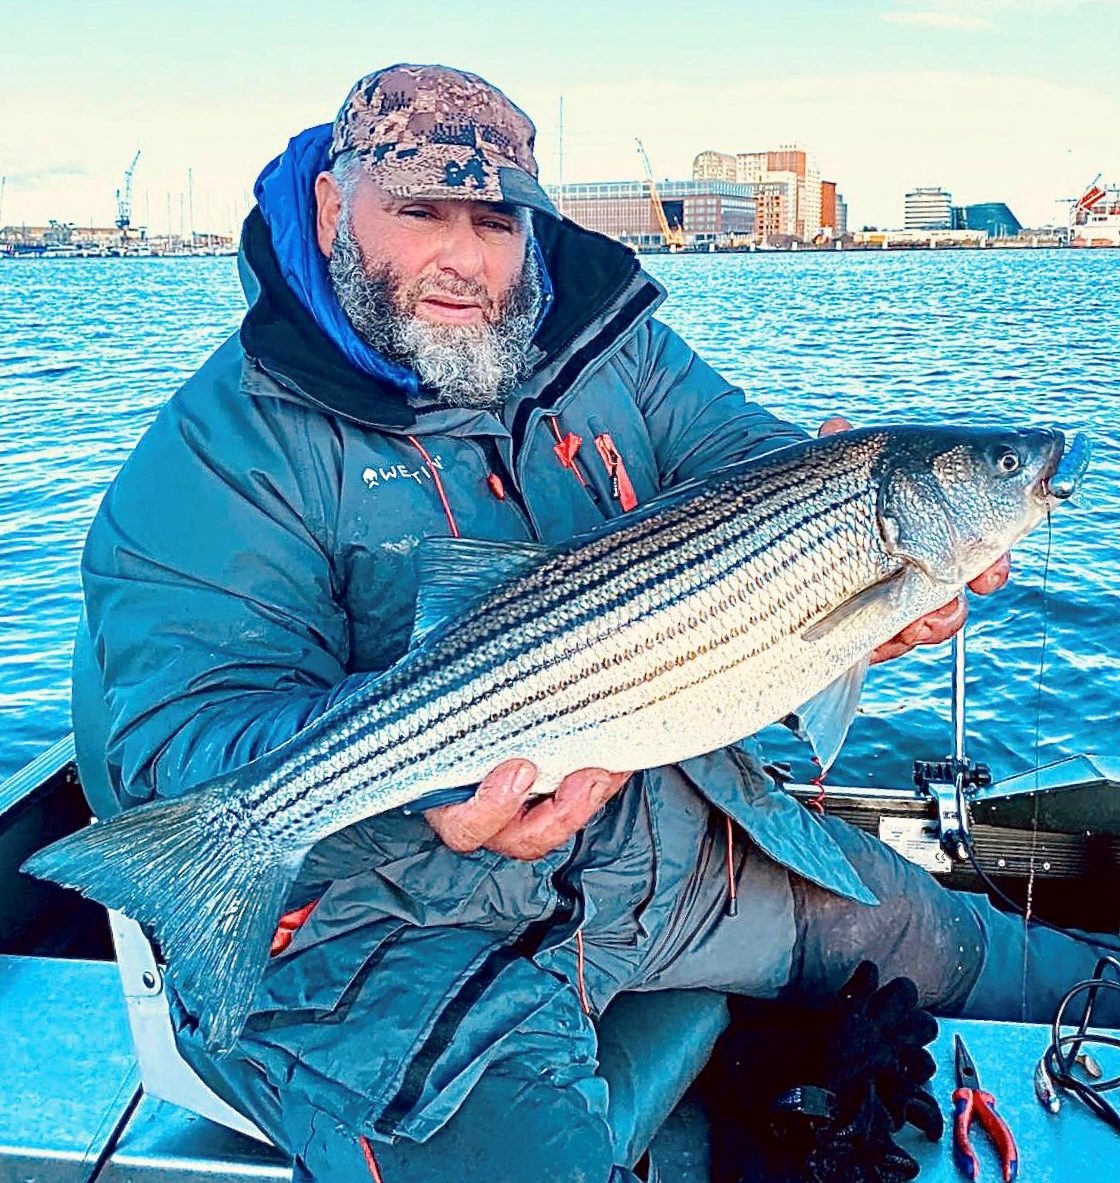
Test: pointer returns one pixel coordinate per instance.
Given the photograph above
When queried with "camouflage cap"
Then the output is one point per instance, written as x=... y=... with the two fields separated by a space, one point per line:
x=441 y=134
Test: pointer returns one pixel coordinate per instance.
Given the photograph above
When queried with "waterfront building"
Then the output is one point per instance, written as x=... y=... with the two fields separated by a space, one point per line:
x=65 y=239
x=797 y=170
x=57 y=235
x=790 y=158
x=777 y=208
x=714 y=166
x=707 y=210
x=928 y=209
x=790 y=205
x=993 y=217
x=841 y=217
x=917 y=239
x=828 y=209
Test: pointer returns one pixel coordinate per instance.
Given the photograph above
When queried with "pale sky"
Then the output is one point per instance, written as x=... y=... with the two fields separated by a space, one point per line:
x=996 y=100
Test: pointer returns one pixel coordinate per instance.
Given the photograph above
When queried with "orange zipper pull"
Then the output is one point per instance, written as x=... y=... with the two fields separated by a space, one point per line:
x=621 y=489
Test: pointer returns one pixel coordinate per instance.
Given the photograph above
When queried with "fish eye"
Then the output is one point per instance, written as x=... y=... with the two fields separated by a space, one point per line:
x=1009 y=462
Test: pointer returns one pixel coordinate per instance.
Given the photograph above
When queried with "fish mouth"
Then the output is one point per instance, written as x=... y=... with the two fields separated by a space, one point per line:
x=1066 y=467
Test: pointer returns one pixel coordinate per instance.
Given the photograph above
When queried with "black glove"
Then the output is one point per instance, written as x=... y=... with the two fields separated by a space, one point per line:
x=805 y=1147
x=879 y=1033
x=796 y=1085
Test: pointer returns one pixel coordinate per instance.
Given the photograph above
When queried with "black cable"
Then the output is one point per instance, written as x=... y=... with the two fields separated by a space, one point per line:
x=1094 y=942
x=1060 y=1057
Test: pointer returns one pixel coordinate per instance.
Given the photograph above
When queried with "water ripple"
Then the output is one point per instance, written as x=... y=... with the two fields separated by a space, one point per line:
x=90 y=349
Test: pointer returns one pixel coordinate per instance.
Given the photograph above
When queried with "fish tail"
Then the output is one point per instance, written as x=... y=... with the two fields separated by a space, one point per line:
x=211 y=900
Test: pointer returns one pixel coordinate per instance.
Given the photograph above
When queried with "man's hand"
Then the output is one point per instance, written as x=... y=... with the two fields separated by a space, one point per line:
x=940 y=625
x=502 y=816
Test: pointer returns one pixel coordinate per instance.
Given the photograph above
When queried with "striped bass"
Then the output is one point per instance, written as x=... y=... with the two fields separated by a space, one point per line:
x=755 y=594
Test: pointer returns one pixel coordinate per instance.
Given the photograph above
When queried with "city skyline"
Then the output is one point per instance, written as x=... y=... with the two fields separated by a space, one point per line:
x=996 y=100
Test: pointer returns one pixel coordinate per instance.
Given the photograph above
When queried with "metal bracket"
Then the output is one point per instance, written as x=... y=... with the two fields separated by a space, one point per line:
x=163 y=1071
x=949 y=782
x=944 y=782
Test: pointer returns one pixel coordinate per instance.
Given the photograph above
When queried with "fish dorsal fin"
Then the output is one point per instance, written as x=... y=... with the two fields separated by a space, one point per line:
x=879 y=597
x=455 y=572
x=824 y=720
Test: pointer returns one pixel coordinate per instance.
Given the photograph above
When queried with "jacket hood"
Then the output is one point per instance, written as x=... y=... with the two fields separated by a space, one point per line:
x=285 y=193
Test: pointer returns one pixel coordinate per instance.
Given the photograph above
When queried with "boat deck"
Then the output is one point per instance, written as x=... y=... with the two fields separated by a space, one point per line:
x=74 y=1110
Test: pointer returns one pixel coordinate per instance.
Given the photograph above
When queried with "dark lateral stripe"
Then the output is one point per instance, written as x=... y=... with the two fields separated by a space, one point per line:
x=540 y=603
x=648 y=676
x=613 y=552
x=440 y=1036
x=440 y=740
x=600 y=567
x=664 y=577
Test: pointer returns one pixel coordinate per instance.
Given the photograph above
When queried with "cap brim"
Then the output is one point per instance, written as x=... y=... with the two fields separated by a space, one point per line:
x=520 y=188
x=514 y=187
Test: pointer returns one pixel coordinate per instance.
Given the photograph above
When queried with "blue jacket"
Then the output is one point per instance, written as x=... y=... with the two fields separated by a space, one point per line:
x=256 y=556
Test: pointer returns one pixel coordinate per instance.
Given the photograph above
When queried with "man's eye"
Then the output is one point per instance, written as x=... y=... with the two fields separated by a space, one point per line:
x=413 y=212
x=494 y=224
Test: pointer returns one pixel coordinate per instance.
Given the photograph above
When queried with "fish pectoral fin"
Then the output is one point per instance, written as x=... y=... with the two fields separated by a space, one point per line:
x=455 y=572
x=879 y=597
x=824 y=720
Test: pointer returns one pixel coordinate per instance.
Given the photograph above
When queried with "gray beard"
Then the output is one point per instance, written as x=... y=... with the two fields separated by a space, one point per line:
x=475 y=366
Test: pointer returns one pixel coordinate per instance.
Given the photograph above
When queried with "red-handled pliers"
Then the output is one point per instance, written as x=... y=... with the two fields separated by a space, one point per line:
x=968 y=1099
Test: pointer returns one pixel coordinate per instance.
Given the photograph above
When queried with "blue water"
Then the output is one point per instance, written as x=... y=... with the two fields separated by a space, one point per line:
x=89 y=349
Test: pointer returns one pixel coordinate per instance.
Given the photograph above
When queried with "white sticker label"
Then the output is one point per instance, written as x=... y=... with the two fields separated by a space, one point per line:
x=915 y=838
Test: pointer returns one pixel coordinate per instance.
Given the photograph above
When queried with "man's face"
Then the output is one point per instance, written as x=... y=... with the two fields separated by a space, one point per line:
x=456 y=261
x=447 y=288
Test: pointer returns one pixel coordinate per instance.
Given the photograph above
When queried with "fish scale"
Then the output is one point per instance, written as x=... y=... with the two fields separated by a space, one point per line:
x=673 y=632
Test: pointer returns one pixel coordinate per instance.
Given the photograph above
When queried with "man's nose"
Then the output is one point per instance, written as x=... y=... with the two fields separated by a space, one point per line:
x=461 y=249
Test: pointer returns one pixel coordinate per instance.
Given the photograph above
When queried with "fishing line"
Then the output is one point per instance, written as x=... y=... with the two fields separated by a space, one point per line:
x=1037 y=756
x=1094 y=942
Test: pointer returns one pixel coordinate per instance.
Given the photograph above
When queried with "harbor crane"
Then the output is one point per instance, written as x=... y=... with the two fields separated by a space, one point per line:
x=673 y=235
x=124 y=203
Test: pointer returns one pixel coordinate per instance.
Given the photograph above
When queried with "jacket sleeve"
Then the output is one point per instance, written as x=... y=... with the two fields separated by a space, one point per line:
x=697 y=420
x=210 y=590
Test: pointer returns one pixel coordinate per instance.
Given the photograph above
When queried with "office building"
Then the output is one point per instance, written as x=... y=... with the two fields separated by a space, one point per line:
x=706 y=210
x=789 y=187
x=928 y=209
x=993 y=217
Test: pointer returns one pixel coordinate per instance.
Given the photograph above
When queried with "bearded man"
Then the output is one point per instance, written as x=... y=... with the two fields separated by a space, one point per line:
x=430 y=350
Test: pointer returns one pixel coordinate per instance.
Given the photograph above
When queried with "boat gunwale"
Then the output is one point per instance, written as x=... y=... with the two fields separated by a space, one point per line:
x=35 y=778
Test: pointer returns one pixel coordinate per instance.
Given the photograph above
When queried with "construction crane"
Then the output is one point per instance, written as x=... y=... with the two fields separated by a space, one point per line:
x=673 y=235
x=124 y=204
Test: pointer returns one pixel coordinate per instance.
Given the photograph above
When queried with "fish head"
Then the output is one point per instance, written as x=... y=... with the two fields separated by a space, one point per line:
x=953 y=500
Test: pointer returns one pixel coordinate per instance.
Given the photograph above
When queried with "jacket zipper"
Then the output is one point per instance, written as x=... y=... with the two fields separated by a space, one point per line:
x=510 y=493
